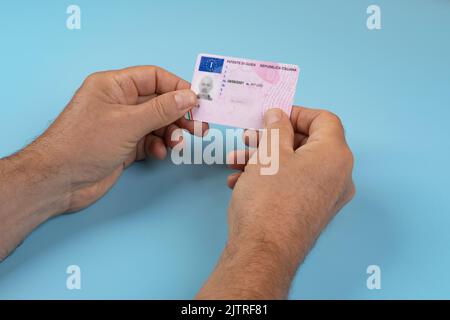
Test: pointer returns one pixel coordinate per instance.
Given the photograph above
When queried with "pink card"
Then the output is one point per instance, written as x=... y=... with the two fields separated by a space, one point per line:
x=237 y=92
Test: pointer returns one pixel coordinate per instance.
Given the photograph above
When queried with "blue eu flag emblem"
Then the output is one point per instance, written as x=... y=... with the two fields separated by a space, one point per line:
x=210 y=64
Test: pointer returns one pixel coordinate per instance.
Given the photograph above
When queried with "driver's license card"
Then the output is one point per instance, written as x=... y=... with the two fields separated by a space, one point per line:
x=237 y=92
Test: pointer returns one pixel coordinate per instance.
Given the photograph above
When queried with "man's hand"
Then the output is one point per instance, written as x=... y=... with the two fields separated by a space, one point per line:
x=275 y=219
x=114 y=119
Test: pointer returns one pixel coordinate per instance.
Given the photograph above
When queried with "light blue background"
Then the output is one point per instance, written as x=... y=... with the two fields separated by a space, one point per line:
x=160 y=230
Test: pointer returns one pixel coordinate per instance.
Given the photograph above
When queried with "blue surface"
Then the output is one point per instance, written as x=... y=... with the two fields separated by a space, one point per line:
x=160 y=230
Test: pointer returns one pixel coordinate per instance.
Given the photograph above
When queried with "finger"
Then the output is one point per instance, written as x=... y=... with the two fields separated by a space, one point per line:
x=275 y=120
x=142 y=99
x=140 y=153
x=134 y=82
x=251 y=138
x=299 y=140
x=316 y=123
x=162 y=110
x=171 y=139
x=160 y=132
x=232 y=179
x=148 y=147
x=238 y=159
x=192 y=126
x=147 y=80
x=155 y=147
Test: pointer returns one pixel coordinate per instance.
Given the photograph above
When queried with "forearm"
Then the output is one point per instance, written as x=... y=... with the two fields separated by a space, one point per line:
x=252 y=270
x=31 y=191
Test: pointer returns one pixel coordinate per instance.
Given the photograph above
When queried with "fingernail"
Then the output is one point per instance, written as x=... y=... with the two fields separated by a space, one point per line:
x=272 y=116
x=184 y=100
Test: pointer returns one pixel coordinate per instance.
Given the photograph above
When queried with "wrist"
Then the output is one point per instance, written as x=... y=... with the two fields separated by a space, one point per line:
x=45 y=178
x=32 y=190
x=285 y=244
x=251 y=269
x=284 y=255
x=36 y=183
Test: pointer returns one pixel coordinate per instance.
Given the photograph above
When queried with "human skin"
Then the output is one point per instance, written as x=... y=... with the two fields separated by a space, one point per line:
x=114 y=119
x=275 y=219
x=118 y=117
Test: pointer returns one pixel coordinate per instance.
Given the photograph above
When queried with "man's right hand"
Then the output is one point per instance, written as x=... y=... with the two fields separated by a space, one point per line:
x=275 y=219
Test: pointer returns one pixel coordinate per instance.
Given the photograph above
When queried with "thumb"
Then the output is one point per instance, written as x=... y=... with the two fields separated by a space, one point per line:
x=276 y=119
x=164 y=109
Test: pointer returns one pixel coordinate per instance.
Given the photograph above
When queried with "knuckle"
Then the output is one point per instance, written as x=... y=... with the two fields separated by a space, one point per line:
x=94 y=78
x=342 y=159
x=347 y=156
x=155 y=69
x=125 y=84
x=332 y=117
x=346 y=160
x=352 y=190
